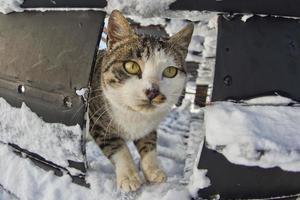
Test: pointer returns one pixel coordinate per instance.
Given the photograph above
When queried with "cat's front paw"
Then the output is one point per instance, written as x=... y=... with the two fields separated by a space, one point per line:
x=129 y=182
x=155 y=175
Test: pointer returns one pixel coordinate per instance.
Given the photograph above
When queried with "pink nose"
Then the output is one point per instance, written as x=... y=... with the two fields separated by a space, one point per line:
x=152 y=93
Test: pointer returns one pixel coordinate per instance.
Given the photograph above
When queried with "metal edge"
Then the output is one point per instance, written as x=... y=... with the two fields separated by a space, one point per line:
x=64 y=4
x=48 y=165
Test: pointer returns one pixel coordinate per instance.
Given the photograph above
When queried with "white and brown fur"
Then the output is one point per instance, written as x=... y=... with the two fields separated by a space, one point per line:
x=119 y=108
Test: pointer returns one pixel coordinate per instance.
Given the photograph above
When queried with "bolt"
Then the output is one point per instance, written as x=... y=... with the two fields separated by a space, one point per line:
x=227 y=80
x=21 y=89
x=68 y=102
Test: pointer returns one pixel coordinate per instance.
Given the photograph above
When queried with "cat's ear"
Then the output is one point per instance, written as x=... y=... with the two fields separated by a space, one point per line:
x=183 y=37
x=118 y=28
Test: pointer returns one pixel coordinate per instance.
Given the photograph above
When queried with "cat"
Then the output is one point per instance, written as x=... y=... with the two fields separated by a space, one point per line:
x=136 y=82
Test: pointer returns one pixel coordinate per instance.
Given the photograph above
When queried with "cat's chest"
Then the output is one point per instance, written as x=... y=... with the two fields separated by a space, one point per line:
x=134 y=125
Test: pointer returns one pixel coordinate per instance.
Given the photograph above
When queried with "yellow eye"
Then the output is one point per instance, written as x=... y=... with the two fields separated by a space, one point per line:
x=132 y=67
x=170 y=72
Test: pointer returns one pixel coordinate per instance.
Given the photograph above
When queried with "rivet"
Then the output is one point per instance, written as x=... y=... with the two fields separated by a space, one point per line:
x=227 y=80
x=21 y=89
x=68 y=102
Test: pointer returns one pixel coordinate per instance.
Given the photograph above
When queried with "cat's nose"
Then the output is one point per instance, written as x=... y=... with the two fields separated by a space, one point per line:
x=152 y=93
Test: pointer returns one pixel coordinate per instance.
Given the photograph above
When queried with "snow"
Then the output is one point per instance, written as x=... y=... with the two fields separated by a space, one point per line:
x=195 y=178
x=5 y=194
x=7 y=6
x=147 y=21
x=83 y=92
x=207 y=64
x=270 y=100
x=22 y=127
x=256 y=135
x=145 y=8
x=246 y=17
x=27 y=181
x=199 y=180
x=35 y=183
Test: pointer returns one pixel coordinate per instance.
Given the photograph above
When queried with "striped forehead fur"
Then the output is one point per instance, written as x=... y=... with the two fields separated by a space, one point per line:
x=135 y=47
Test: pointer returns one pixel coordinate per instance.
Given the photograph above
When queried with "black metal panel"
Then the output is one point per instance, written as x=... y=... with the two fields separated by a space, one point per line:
x=260 y=56
x=241 y=182
x=51 y=54
x=64 y=3
x=272 y=7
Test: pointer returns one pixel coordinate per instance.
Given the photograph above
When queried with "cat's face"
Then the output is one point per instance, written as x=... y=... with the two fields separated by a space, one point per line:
x=143 y=74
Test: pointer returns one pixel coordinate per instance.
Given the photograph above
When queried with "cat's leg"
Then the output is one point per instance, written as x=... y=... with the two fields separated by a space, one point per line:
x=127 y=176
x=115 y=148
x=149 y=163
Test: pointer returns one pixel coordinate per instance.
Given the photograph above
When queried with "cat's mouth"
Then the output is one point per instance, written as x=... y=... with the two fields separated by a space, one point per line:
x=144 y=106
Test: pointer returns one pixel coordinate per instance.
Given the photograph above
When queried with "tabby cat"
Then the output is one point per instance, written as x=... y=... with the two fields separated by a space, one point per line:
x=136 y=82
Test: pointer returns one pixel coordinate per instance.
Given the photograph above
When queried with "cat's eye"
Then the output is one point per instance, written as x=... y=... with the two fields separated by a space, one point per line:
x=132 y=68
x=170 y=72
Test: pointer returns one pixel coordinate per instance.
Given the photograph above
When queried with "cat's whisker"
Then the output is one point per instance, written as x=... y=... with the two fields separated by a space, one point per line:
x=106 y=132
x=98 y=119
x=118 y=129
x=97 y=111
x=85 y=103
x=100 y=95
x=109 y=124
x=77 y=111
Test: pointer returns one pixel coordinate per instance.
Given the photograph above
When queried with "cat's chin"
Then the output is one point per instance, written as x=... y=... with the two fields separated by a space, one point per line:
x=145 y=108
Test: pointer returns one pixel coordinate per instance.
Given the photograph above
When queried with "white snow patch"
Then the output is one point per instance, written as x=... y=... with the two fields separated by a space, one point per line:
x=146 y=8
x=83 y=92
x=246 y=17
x=171 y=194
x=195 y=178
x=270 y=100
x=204 y=37
x=147 y=21
x=152 y=8
x=7 y=6
x=199 y=180
x=208 y=30
x=22 y=127
x=265 y=136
